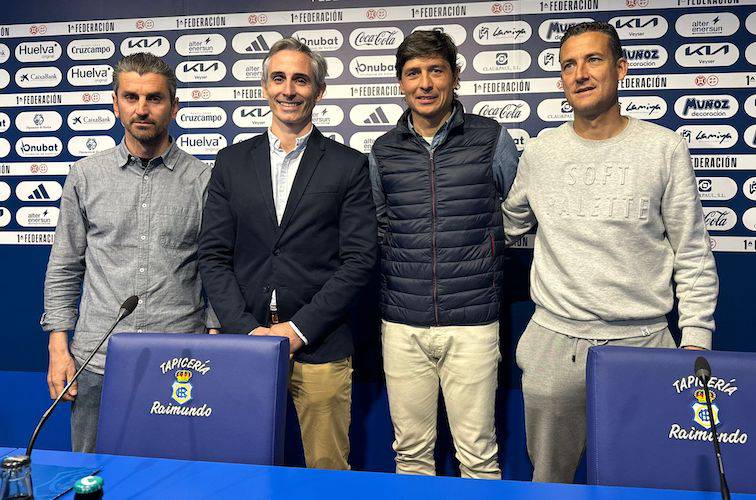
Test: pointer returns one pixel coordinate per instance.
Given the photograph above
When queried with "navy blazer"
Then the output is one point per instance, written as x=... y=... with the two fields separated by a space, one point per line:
x=317 y=259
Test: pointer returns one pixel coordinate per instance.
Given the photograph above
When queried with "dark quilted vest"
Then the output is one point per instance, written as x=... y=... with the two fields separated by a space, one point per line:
x=441 y=255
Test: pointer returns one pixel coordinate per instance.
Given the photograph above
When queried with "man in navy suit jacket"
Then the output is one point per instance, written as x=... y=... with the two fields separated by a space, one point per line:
x=288 y=239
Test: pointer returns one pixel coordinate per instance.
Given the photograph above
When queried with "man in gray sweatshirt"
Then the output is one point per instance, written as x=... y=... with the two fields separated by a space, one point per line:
x=619 y=218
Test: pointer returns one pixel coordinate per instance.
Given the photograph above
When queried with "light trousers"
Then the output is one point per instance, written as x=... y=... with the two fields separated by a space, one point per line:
x=460 y=360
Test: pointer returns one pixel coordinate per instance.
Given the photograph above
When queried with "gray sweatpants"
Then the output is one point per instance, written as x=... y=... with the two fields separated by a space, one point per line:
x=553 y=386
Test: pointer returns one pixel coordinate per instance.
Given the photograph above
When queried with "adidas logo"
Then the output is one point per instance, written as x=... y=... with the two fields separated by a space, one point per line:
x=377 y=117
x=258 y=45
x=39 y=194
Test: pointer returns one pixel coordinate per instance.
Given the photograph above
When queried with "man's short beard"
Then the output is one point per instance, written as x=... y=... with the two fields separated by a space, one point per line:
x=148 y=138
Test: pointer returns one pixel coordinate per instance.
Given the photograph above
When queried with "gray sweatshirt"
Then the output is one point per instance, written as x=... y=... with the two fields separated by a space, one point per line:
x=618 y=220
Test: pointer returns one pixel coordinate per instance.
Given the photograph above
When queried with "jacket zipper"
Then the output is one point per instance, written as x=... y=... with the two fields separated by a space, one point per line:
x=433 y=232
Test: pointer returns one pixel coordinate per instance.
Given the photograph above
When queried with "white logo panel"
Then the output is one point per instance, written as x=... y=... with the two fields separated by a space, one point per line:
x=501 y=61
x=363 y=141
x=548 y=60
x=502 y=32
x=750 y=53
x=719 y=218
x=376 y=38
x=373 y=67
x=751 y=23
x=201 y=71
x=90 y=75
x=86 y=145
x=749 y=219
x=552 y=30
x=457 y=32
x=4 y=53
x=5 y=147
x=91 y=49
x=519 y=136
x=252 y=116
x=320 y=40
x=4 y=78
x=749 y=188
x=91 y=119
x=375 y=115
x=157 y=45
x=29 y=78
x=706 y=54
x=5 y=122
x=645 y=56
x=5 y=191
x=716 y=188
x=704 y=107
x=38 y=121
x=513 y=111
x=44 y=191
x=38 y=51
x=643 y=107
x=335 y=67
x=749 y=105
x=47 y=147
x=749 y=136
x=327 y=115
x=255 y=43
x=709 y=136
x=209 y=44
x=639 y=27
x=201 y=144
x=5 y=217
x=247 y=70
x=555 y=110
x=37 y=216
x=201 y=117
x=708 y=24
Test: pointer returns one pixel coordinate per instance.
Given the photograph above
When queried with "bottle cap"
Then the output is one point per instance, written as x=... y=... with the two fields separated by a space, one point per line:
x=88 y=484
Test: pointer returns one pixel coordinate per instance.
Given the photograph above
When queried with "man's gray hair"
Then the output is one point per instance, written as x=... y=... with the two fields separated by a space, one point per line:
x=317 y=61
x=142 y=63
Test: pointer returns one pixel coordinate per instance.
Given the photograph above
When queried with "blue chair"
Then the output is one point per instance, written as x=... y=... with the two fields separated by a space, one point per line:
x=648 y=426
x=195 y=397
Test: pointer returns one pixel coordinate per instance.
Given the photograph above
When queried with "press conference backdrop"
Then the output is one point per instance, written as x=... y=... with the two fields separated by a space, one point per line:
x=691 y=70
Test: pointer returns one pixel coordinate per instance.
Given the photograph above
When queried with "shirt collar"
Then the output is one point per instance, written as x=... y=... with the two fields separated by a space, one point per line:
x=169 y=157
x=440 y=133
x=275 y=142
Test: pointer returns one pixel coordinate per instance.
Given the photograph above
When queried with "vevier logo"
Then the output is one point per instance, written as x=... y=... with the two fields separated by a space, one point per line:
x=371 y=115
x=749 y=189
x=157 y=45
x=38 y=77
x=246 y=70
x=716 y=188
x=373 y=67
x=376 y=38
x=501 y=61
x=256 y=42
x=91 y=119
x=39 y=146
x=201 y=144
x=552 y=30
x=335 y=67
x=210 y=44
x=514 y=111
x=37 y=216
x=639 y=27
x=320 y=40
x=363 y=141
x=252 y=116
x=554 y=110
x=39 y=191
x=4 y=53
x=91 y=49
x=709 y=136
x=87 y=145
x=201 y=71
x=201 y=117
x=4 y=122
x=645 y=56
x=749 y=219
x=548 y=60
x=708 y=24
x=502 y=32
x=327 y=115
x=749 y=136
x=457 y=32
x=5 y=147
x=643 y=107
x=38 y=51
x=706 y=106
x=519 y=136
x=4 y=78
x=707 y=54
x=719 y=218
x=5 y=191
x=38 y=121
x=90 y=75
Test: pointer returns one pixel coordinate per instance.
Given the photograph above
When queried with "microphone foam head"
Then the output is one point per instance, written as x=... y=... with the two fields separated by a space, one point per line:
x=129 y=305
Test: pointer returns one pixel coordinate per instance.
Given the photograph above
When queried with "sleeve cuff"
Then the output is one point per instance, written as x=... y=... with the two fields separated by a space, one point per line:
x=299 y=333
x=696 y=337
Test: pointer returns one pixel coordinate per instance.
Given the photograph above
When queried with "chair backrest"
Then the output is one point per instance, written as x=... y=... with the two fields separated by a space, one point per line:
x=195 y=397
x=648 y=427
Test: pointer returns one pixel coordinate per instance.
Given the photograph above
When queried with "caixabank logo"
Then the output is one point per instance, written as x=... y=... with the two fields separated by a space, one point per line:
x=724 y=403
x=38 y=77
x=179 y=374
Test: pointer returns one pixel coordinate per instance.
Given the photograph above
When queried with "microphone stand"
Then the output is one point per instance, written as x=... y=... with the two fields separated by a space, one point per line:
x=704 y=375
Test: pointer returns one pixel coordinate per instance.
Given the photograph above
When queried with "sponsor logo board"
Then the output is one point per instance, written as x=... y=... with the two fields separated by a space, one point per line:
x=320 y=40
x=5 y=191
x=502 y=32
x=501 y=61
x=554 y=110
x=750 y=53
x=376 y=38
x=38 y=121
x=751 y=23
x=207 y=44
x=5 y=147
x=335 y=67
x=749 y=136
x=457 y=32
x=90 y=75
x=706 y=54
x=157 y=45
x=375 y=115
x=245 y=136
x=201 y=117
x=91 y=119
x=201 y=144
x=91 y=49
x=719 y=218
x=327 y=115
x=716 y=188
x=749 y=188
x=645 y=56
x=511 y=111
x=5 y=122
x=749 y=219
x=643 y=107
x=201 y=71
x=363 y=141
x=258 y=42
x=44 y=191
x=37 y=216
x=373 y=67
x=552 y=30
x=706 y=106
x=246 y=70
x=4 y=53
x=39 y=146
x=548 y=60
x=639 y=27
x=4 y=78
x=38 y=51
x=48 y=76
x=519 y=136
x=707 y=24
x=709 y=136
x=252 y=116
x=87 y=145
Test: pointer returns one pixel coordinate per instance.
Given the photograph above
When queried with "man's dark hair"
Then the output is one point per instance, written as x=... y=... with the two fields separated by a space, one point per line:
x=142 y=63
x=426 y=44
x=614 y=41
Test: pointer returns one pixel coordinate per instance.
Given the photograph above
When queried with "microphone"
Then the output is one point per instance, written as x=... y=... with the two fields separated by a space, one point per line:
x=127 y=308
x=703 y=373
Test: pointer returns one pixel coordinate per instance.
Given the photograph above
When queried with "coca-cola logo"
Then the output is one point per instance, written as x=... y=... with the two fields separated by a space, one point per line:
x=719 y=218
x=381 y=39
x=503 y=111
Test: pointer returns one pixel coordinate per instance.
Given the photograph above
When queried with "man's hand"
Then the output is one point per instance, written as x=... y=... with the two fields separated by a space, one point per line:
x=213 y=331
x=62 y=367
x=260 y=330
x=285 y=330
x=694 y=348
